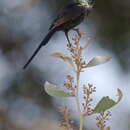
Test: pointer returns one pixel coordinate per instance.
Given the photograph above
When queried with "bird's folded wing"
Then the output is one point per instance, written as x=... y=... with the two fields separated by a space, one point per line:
x=66 y=15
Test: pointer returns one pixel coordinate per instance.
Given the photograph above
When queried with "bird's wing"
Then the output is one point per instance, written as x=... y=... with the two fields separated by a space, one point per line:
x=66 y=15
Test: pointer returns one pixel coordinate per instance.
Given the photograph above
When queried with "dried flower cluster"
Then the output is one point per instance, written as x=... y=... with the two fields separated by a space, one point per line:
x=88 y=91
x=76 y=52
x=69 y=84
x=102 y=118
x=66 y=123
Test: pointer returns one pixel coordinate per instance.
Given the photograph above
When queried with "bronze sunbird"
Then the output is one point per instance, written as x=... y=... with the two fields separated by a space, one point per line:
x=72 y=15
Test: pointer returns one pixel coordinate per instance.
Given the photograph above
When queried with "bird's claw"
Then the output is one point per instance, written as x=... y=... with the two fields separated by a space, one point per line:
x=78 y=32
x=69 y=45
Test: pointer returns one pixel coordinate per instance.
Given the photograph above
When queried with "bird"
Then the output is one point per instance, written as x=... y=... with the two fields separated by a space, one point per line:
x=71 y=16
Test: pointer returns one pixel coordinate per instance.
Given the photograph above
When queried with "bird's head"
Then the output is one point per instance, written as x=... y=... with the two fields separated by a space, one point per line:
x=87 y=3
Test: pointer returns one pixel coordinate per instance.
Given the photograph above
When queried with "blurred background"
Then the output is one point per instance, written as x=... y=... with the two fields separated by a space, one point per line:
x=23 y=24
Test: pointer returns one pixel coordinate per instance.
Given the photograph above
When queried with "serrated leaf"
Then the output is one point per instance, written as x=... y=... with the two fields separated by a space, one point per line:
x=68 y=60
x=106 y=103
x=98 y=60
x=53 y=91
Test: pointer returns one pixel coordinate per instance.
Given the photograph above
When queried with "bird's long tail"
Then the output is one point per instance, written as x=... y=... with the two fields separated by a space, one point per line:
x=44 y=42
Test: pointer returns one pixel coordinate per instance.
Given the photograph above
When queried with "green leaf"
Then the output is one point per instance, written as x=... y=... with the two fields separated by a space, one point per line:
x=120 y=95
x=98 y=60
x=68 y=60
x=106 y=103
x=53 y=91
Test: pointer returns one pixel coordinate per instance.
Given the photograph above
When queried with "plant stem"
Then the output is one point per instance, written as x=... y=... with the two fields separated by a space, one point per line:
x=77 y=94
x=81 y=122
x=78 y=103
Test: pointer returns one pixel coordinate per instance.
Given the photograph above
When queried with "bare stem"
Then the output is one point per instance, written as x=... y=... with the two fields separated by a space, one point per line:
x=81 y=122
x=78 y=103
x=77 y=94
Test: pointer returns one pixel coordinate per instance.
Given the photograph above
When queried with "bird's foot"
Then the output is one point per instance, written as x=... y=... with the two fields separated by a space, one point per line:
x=80 y=34
x=69 y=45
